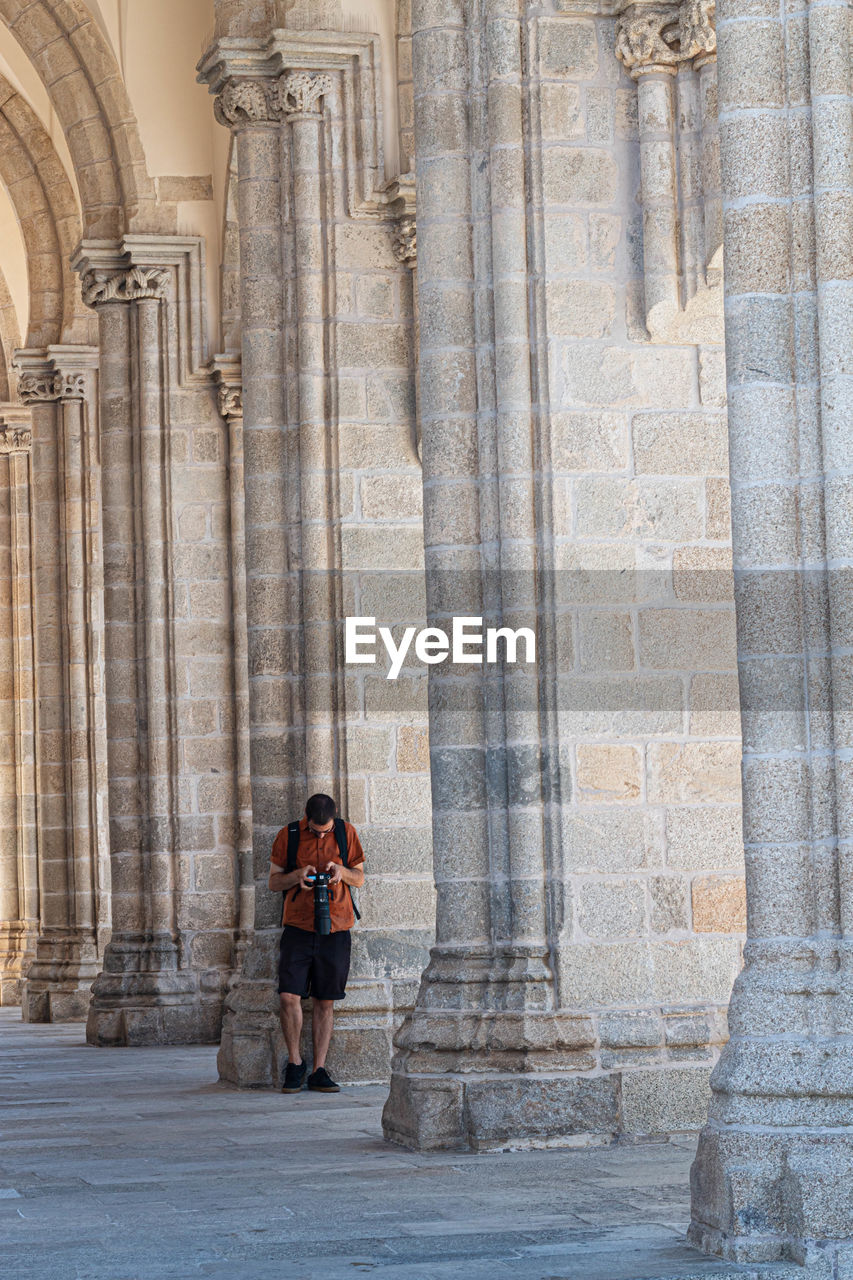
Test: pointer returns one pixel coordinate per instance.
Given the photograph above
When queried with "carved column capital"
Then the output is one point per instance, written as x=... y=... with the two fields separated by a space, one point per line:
x=246 y=102
x=268 y=100
x=103 y=285
x=646 y=38
x=659 y=37
x=38 y=386
x=70 y=386
x=15 y=432
x=54 y=373
x=72 y=367
x=301 y=93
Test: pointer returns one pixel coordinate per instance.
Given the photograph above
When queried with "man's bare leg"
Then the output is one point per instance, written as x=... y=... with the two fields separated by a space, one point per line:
x=322 y=1016
x=290 y=1016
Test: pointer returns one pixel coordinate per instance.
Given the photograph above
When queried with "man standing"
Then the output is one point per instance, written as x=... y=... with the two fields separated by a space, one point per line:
x=311 y=963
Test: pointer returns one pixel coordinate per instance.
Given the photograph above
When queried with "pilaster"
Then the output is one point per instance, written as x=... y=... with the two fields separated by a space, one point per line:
x=304 y=109
x=228 y=378
x=60 y=386
x=147 y=294
x=19 y=897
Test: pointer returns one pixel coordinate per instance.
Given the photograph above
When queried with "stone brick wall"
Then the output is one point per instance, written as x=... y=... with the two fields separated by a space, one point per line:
x=379 y=488
x=204 y=697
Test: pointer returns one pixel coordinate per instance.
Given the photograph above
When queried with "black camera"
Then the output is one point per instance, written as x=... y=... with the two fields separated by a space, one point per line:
x=322 y=918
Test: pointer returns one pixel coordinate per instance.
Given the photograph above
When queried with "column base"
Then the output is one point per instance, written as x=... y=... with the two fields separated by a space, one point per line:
x=771 y=1178
x=485 y=1062
x=774 y=1196
x=142 y=998
x=59 y=983
x=253 y=1054
x=495 y=1111
x=17 y=952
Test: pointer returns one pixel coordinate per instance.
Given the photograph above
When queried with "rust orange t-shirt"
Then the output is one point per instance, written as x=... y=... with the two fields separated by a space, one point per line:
x=318 y=851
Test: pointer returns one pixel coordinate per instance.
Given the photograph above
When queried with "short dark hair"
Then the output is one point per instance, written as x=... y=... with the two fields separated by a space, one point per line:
x=320 y=809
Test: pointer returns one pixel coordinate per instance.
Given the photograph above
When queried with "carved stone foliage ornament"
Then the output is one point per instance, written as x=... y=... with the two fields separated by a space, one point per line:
x=230 y=400
x=35 y=388
x=70 y=386
x=124 y=286
x=405 y=242
x=696 y=34
x=300 y=92
x=651 y=35
x=244 y=100
x=38 y=388
x=15 y=439
x=262 y=101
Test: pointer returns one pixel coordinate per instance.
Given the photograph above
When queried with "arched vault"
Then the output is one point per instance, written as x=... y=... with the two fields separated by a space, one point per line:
x=47 y=211
x=77 y=67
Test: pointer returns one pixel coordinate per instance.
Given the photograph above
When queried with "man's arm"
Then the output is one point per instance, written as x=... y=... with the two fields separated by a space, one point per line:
x=280 y=880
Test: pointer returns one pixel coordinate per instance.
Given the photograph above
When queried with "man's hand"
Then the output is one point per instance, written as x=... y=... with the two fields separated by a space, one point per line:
x=339 y=874
x=281 y=881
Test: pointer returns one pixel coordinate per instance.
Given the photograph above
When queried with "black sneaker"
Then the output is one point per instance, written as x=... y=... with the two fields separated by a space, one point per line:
x=294 y=1077
x=321 y=1082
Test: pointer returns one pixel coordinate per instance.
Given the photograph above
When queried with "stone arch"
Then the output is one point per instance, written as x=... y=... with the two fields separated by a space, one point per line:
x=78 y=69
x=230 y=265
x=47 y=211
x=10 y=338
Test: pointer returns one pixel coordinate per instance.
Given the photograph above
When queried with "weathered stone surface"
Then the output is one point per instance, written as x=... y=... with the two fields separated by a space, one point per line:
x=719 y=904
x=665 y=1101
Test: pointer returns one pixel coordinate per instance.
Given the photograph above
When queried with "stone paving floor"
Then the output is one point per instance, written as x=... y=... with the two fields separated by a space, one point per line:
x=134 y=1164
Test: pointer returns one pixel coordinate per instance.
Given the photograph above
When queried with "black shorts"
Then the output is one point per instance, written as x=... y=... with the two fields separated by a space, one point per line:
x=314 y=964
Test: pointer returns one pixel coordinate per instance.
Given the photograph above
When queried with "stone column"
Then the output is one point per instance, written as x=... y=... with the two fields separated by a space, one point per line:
x=664 y=48
x=246 y=1055
x=706 y=65
x=60 y=385
x=771 y=1177
x=146 y=992
x=653 y=63
x=402 y=201
x=487 y=1055
x=229 y=378
x=302 y=95
x=692 y=228
x=19 y=896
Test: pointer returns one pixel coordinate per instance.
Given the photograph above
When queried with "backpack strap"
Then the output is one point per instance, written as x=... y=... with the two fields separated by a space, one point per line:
x=292 y=848
x=292 y=845
x=341 y=837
